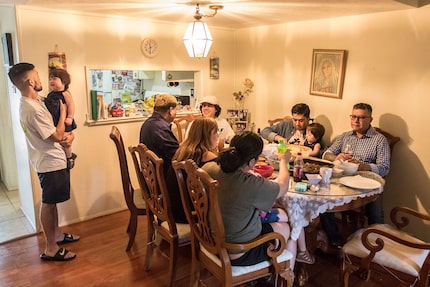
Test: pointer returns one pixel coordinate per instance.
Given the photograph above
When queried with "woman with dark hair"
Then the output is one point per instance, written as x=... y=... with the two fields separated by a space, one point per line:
x=242 y=195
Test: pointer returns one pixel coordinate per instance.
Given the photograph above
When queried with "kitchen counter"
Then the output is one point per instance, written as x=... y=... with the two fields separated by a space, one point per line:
x=133 y=118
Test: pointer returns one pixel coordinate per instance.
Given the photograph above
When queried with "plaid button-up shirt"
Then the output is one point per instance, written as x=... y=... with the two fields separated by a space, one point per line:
x=372 y=148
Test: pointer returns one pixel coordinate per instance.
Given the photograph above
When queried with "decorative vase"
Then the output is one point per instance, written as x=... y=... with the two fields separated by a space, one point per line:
x=240 y=104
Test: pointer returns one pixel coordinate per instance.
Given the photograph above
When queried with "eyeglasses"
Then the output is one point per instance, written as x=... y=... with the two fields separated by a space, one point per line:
x=360 y=118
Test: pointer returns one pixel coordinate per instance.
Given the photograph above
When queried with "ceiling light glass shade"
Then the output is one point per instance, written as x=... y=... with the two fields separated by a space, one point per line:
x=198 y=39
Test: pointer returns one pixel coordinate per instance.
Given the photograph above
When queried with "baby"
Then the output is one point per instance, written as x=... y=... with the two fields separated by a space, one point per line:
x=314 y=134
x=59 y=81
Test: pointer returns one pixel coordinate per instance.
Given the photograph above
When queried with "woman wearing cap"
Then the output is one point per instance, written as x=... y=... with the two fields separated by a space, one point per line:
x=209 y=108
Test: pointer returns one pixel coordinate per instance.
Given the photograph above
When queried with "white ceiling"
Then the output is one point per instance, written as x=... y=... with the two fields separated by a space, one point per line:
x=235 y=14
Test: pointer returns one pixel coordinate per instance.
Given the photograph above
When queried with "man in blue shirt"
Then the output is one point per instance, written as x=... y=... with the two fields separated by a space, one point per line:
x=156 y=132
x=370 y=150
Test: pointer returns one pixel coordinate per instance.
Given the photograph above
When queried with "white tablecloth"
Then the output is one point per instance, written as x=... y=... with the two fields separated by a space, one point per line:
x=303 y=207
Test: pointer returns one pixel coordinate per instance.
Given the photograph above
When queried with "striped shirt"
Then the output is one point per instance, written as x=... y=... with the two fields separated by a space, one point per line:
x=372 y=148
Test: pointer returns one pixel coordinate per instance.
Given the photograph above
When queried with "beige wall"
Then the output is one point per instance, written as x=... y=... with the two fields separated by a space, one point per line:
x=388 y=66
x=108 y=42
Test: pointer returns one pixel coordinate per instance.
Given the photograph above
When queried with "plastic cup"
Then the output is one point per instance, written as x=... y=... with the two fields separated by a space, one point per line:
x=325 y=173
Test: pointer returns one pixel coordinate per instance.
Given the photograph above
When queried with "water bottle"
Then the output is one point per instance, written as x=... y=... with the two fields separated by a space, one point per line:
x=298 y=167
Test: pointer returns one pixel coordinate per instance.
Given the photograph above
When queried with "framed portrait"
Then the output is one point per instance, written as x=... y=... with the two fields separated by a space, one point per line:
x=214 y=68
x=328 y=73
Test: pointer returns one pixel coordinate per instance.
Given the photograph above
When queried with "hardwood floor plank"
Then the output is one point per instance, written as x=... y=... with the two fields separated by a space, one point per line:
x=102 y=261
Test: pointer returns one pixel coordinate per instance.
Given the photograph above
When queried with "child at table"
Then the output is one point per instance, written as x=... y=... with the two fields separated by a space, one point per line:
x=279 y=215
x=314 y=134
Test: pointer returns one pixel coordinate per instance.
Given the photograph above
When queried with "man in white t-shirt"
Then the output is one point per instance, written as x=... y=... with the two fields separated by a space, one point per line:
x=45 y=147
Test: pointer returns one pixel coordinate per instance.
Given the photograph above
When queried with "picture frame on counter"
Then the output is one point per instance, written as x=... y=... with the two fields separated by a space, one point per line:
x=238 y=119
x=328 y=73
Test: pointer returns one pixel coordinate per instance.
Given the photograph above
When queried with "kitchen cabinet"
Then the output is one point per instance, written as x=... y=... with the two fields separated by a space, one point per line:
x=177 y=76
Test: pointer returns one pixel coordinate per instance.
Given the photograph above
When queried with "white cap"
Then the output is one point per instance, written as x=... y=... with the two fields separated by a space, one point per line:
x=210 y=100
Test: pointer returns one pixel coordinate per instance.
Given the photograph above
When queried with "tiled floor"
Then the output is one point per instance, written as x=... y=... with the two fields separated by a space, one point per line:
x=13 y=223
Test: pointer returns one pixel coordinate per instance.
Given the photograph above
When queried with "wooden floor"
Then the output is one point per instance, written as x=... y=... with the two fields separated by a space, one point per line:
x=102 y=261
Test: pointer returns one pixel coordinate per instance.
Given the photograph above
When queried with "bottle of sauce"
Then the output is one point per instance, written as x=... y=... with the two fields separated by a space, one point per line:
x=298 y=167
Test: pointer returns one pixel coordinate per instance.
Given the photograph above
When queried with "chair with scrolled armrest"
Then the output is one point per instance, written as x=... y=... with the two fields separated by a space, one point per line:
x=388 y=253
x=199 y=193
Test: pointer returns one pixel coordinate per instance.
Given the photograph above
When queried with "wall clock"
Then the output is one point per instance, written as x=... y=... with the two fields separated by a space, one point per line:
x=149 y=47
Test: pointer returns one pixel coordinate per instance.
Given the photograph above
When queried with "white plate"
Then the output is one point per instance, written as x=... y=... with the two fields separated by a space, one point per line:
x=359 y=182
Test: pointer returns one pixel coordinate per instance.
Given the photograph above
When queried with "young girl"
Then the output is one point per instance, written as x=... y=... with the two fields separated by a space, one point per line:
x=59 y=81
x=200 y=146
x=314 y=134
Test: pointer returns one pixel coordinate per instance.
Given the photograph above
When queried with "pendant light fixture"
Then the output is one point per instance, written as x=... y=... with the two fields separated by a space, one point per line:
x=198 y=38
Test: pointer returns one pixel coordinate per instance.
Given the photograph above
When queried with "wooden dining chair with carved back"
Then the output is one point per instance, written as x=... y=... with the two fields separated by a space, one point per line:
x=277 y=120
x=149 y=170
x=133 y=197
x=286 y=118
x=181 y=124
x=387 y=254
x=199 y=193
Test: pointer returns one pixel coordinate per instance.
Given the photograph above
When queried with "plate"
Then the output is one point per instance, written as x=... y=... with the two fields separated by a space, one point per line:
x=359 y=182
x=270 y=149
x=294 y=149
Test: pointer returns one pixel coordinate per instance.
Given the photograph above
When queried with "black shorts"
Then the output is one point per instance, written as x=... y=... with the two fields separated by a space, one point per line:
x=257 y=254
x=55 y=186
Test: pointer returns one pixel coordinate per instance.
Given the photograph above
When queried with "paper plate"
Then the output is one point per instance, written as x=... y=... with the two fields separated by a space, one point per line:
x=359 y=182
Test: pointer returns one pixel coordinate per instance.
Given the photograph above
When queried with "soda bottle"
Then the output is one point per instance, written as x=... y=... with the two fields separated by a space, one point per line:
x=298 y=167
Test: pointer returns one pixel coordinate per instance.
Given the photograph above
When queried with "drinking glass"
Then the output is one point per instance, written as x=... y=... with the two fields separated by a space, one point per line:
x=348 y=150
x=325 y=173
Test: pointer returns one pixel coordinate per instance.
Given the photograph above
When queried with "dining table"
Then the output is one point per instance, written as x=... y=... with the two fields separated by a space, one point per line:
x=344 y=193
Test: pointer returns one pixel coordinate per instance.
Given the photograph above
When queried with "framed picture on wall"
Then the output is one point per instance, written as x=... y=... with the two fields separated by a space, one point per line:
x=214 y=68
x=328 y=73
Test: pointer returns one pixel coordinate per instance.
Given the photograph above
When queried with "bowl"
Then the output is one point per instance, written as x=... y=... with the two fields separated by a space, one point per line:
x=264 y=170
x=349 y=168
x=337 y=172
x=313 y=178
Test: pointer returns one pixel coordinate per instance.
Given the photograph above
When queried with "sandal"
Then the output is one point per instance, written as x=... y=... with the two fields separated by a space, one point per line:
x=71 y=161
x=305 y=257
x=59 y=256
x=68 y=238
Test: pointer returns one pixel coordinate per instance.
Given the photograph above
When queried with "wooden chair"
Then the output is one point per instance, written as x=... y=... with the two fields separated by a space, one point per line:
x=392 y=140
x=286 y=118
x=182 y=124
x=133 y=197
x=199 y=193
x=277 y=120
x=393 y=256
x=149 y=170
